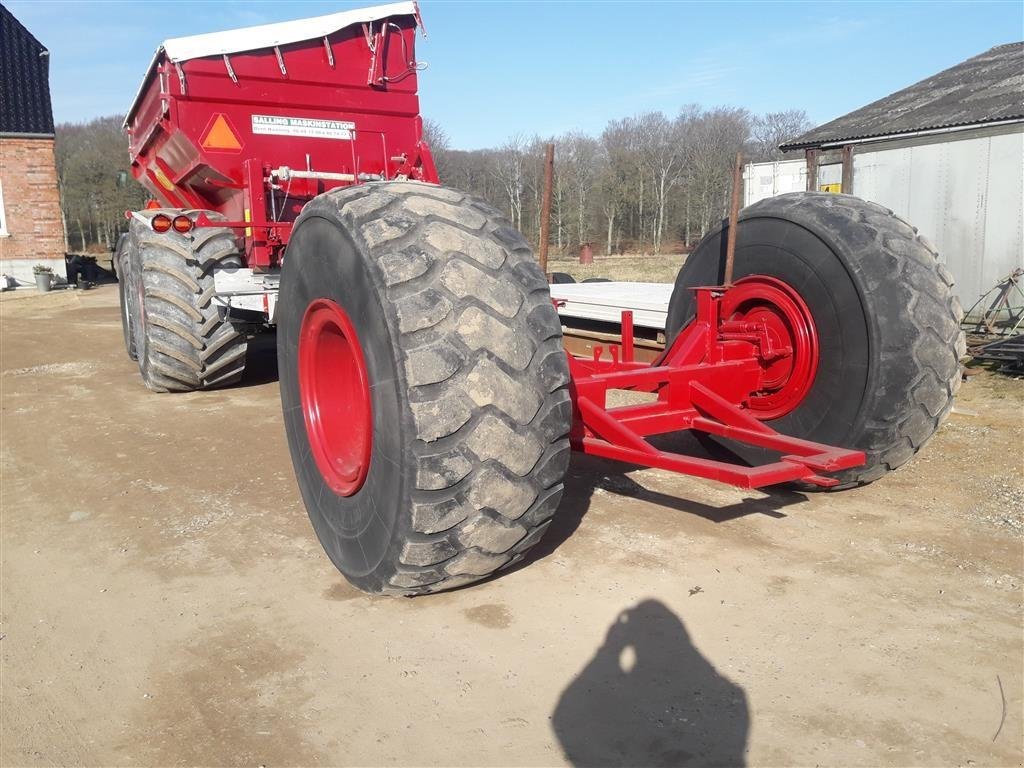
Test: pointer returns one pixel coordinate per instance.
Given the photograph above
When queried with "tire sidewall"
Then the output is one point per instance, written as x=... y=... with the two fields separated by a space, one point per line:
x=126 y=323
x=339 y=270
x=123 y=268
x=136 y=300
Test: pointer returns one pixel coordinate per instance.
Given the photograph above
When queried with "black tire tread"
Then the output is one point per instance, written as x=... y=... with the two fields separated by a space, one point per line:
x=188 y=345
x=486 y=378
x=900 y=253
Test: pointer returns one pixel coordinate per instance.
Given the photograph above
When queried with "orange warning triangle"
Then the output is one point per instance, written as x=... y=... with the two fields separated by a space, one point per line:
x=220 y=136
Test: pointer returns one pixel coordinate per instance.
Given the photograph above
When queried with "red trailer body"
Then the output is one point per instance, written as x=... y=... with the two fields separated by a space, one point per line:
x=253 y=123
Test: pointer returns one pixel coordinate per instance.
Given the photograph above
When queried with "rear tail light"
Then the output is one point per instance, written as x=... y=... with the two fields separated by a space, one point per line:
x=160 y=223
x=182 y=224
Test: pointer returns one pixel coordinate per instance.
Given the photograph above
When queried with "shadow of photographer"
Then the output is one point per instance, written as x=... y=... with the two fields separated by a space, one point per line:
x=649 y=698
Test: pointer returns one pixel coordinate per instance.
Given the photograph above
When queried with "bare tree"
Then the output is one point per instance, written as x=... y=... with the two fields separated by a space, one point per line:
x=715 y=138
x=509 y=171
x=95 y=186
x=610 y=197
x=664 y=147
x=649 y=181
x=623 y=145
x=437 y=139
x=577 y=162
x=775 y=128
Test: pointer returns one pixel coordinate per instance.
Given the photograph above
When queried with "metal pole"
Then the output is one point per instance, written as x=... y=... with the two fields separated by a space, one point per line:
x=734 y=214
x=545 y=207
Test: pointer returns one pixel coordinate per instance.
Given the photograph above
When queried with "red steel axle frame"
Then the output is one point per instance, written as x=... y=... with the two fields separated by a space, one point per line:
x=704 y=382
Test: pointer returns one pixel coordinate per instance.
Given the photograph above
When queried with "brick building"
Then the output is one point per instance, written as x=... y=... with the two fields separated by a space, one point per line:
x=31 y=227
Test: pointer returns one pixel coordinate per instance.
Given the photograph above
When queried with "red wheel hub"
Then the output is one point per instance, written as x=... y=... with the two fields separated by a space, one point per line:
x=334 y=391
x=789 y=350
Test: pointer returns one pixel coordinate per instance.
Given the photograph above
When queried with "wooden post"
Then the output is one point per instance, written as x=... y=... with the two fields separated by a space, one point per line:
x=545 y=207
x=812 y=169
x=734 y=215
x=847 y=169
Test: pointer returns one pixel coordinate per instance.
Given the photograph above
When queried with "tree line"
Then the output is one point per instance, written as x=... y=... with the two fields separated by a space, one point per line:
x=648 y=183
x=95 y=185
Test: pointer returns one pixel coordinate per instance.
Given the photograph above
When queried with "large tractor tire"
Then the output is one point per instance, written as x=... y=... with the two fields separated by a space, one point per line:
x=878 y=312
x=182 y=338
x=126 y=294
x=424 y=386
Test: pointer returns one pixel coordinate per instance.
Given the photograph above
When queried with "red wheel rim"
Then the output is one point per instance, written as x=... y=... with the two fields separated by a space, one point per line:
x=334 y=391
x=772 y=304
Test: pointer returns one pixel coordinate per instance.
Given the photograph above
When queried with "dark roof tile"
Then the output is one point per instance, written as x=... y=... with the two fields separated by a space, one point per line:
x=24 y=80
x=983 y=89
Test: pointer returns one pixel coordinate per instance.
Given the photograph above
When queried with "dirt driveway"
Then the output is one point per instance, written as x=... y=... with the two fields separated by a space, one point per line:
x=165 y=602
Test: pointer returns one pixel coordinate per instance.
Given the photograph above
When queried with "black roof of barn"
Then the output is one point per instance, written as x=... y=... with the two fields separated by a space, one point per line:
x=25 y=106
x=984 y=89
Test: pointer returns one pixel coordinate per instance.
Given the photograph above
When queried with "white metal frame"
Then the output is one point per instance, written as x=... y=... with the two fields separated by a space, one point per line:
x=242 y=288
x=606 y=301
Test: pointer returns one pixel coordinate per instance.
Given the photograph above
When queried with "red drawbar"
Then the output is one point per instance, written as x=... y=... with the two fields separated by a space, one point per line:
x=749 y=355
x=334 y=389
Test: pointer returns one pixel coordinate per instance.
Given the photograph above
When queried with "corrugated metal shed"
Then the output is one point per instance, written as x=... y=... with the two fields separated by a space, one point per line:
x=966 y=194
x=984 y=89
x=25 y=106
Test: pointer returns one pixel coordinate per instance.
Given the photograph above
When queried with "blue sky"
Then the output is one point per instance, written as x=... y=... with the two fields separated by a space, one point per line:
x=500 y=68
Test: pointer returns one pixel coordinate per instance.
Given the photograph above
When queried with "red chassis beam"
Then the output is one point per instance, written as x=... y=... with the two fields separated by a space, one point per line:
x=703 y=382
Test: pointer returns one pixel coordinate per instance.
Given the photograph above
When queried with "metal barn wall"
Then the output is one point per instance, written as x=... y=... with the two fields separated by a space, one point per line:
x=964 y=192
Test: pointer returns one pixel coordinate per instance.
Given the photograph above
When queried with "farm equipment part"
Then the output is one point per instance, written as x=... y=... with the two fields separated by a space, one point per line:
x=1000 y=311
x=429 y=404
x=1008 y=352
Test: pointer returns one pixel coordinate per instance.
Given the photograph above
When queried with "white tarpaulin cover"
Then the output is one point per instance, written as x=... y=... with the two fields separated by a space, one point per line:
x=180 y=49
x=605 y=301
x=282 y=33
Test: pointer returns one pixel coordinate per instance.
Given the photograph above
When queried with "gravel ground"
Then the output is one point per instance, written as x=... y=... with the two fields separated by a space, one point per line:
x=165 y=602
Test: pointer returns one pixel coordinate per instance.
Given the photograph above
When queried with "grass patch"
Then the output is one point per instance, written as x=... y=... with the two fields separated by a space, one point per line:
x=628 y=267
